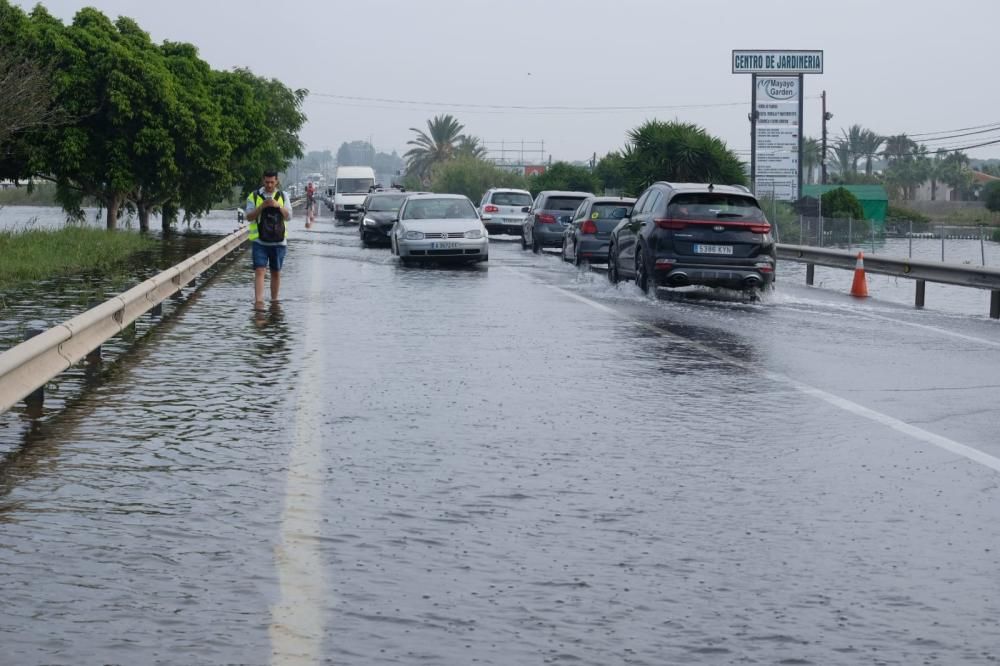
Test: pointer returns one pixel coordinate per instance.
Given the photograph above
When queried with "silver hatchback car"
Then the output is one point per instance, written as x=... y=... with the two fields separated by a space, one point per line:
x=503 y=210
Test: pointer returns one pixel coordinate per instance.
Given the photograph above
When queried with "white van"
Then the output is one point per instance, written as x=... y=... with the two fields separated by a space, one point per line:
x=350 y=189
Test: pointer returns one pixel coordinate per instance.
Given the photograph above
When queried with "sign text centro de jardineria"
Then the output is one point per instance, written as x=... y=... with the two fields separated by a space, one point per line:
x=777 y=62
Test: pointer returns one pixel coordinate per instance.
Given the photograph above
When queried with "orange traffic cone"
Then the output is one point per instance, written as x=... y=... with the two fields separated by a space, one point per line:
x=859 y=287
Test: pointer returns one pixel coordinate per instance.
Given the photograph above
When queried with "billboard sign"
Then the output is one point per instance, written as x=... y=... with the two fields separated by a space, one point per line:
x=777 y=62
x=777 y=103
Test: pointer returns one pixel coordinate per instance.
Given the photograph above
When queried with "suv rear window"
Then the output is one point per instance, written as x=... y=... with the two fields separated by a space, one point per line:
x=610 y=211
x=511 y=199
x=710 y=206
x=562 y=203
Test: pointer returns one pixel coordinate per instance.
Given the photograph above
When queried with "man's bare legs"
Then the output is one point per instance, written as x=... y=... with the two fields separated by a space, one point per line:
x=258 y=286
x=275 y=285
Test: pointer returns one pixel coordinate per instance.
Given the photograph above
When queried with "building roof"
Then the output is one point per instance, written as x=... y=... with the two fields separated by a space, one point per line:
x=981 y=177
x=862 y=192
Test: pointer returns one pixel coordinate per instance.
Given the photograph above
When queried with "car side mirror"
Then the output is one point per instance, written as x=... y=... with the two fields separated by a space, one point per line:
x=525 y=209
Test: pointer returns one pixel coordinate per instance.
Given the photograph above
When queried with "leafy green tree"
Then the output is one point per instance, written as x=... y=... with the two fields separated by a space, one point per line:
x=955 y=173
x=991 y=196
x=356 y=153
x=435 y=146
x=472 y=177
x=565 y=176
x=261 y=119
x=610 y=171
x=681 y=152
x=27 y=104
x=840 y=202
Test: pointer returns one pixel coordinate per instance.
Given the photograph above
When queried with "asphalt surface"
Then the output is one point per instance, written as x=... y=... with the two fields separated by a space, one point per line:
x=512 y=464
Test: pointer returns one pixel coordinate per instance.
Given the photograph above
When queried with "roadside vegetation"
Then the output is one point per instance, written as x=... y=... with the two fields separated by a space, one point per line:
x=36 y=254
x=104 y=114
x=445 y=159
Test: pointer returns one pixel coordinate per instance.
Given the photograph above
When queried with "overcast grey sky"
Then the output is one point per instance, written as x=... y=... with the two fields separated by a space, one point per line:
x=892 y=65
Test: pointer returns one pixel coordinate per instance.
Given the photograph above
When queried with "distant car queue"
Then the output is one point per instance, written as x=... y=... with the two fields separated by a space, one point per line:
x=671 y=235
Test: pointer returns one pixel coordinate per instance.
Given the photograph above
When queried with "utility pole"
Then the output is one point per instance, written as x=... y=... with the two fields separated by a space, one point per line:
x=822 y=160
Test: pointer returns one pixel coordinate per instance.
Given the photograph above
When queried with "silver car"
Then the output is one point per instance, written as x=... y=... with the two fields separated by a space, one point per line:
x=439 y=227
x=503 y=210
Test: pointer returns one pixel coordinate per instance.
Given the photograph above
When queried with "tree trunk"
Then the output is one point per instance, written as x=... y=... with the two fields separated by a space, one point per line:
x=167 y=217
x=143 y=216
x=933 y=190
x=112 y=204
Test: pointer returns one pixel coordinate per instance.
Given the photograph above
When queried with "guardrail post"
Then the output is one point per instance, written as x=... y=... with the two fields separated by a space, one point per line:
x=129 y=332
x=995 y=304
x=157 y=310
x=35 y=400
x=810 y=274
x=921 y=293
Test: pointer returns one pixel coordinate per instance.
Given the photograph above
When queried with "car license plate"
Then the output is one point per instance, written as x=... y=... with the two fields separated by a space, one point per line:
x=713 y=249
x=444 y=246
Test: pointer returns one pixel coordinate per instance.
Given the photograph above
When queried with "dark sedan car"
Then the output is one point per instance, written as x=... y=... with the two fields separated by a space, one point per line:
x=548 y=217
x=683 y=234
x=378 y=215
x=586 y=238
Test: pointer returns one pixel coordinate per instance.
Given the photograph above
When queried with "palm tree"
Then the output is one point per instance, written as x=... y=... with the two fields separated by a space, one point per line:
x=869 y=145
x=469 y=146
x=844 y=160
x=853 y=138
x=898 y=147
x=435 y=146
x=812 y=156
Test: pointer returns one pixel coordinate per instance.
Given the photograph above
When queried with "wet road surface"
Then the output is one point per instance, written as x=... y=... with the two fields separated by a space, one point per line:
x=513 y=464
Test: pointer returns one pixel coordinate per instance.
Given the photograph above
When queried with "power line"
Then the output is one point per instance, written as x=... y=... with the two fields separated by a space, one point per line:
x=345 y=99
x=958 y=129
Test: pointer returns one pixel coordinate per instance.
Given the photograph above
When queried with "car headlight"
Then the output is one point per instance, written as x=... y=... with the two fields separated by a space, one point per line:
x=414 y=235
x=474 y=233
x=369 y=222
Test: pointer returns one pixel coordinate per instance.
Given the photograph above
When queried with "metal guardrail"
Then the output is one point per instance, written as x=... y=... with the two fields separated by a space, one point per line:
x=33 y=363
x=921 y=271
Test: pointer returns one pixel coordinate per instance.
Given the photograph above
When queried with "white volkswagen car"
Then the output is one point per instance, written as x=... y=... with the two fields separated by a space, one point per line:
x=439 y=227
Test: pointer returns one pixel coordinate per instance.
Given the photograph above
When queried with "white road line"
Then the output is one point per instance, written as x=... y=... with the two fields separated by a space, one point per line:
x=933 y=329
x=913 y=431
x=297 y=620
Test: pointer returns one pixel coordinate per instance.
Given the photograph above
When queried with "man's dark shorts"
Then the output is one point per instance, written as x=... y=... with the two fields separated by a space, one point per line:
x=268 y=255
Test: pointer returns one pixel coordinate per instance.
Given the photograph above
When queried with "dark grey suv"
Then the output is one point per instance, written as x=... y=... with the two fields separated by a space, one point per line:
x=551 y=212
x=683 y=234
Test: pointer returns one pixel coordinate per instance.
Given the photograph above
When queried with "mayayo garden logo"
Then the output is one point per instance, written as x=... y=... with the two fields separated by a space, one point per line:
x=780 y=90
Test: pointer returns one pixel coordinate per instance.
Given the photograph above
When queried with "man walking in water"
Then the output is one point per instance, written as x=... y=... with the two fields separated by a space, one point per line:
x=268 y=211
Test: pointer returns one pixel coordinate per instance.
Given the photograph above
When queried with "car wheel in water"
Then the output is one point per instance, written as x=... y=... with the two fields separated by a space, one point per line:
x=641 y=272
x=613 y=275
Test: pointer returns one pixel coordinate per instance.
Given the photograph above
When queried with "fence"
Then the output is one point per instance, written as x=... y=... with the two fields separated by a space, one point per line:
x=909 y=239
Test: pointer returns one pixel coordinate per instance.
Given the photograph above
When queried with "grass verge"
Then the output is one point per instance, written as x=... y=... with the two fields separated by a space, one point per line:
x=39 y=254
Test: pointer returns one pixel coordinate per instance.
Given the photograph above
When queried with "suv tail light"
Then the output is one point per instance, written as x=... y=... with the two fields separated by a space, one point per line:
x=490 y=208
x=588 y=227
x=762 y=228
x=673 y=225
x=544 y=218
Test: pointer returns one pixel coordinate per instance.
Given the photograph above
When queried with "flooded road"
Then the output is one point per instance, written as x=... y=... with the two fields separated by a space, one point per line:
x=511 y=464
